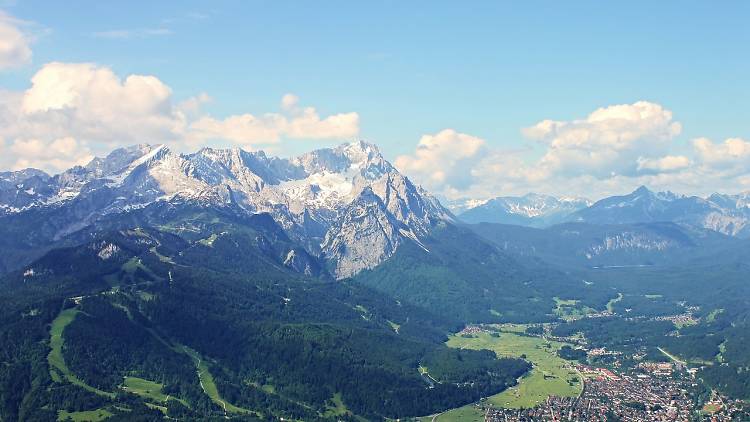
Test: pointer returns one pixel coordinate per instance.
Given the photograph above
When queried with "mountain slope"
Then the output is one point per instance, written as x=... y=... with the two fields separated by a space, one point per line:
x=152 y=305
x=456 y=273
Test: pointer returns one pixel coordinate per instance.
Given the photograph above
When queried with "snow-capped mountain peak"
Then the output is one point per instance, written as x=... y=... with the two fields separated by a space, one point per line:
x=312 y=196
x=531 y=209
x=357 y=158
x=118 y=160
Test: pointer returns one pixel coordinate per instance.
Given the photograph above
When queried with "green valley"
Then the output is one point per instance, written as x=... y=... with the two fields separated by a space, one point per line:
x=550 y=375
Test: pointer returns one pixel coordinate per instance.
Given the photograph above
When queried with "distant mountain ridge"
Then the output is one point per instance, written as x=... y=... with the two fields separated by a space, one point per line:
x=532 y=209
x=578 y=244
x=726 y=214
x=313 y=197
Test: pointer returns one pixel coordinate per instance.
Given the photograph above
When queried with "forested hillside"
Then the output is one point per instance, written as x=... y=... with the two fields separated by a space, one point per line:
x=143 y=323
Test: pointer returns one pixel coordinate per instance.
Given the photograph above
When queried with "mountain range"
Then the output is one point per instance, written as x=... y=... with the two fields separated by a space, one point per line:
x=726 y=214
x=533 y=210
x=347 y=206
x=320 y=287
x=336 y=212
x=249 y=287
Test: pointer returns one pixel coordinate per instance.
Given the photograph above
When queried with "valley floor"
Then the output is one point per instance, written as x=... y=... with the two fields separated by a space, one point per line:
x=550 y=376
x=559 y=389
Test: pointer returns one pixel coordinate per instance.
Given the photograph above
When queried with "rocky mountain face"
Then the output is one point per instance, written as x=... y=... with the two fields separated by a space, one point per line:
x=347 y=205
x=366 y=235
x=727 y=214
x=532 y=210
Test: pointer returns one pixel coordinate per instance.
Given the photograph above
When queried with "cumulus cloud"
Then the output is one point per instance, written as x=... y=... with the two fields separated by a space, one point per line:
x=244 y=129
x=15 y=47
x=91 y=106
x=57 y=155
x=293 y=123
x=732 y=152
x=309 y=125
x=612 y=150
x=443 y=160
x=192 y=106
x=289 y=102
x=665 y=164
x=607 y=141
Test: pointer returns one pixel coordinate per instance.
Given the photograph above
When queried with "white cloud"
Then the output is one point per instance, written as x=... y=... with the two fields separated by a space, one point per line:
x=611 y=151
x=309 y=125
x=96 y=91
x=731 y=152
x=244 y=129
x=620 y=142
x=96 y=109
x=293 y=123
x=289 y=102
x=91 y=103
x=442 y=160
x=665 y=164
x=15 y=47
x=58 y=155
x=192 y=106
x=607 y=141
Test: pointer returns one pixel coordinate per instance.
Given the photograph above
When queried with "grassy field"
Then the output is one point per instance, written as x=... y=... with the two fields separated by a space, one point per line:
x=84 y=416
x=689 y=362
x=145 y=388
x=148 y=389
x=208 y=384
x=59 y=371
x=338 y=408
x=470 y=413
x=569 y=309
x=551 y=375
x=162 y=409
x=611 y=303
x=161 y=257
x=209 y=241
x=682 y=324
x=711 y=317
x=711 y=408
x=135 y=264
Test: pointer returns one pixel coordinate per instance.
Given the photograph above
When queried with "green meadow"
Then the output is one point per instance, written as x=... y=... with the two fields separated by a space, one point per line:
x=550 y=375
x=59 y=371
x=84 y=416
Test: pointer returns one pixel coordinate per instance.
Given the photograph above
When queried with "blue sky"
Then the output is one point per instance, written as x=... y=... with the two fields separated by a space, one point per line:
x=408 y=69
